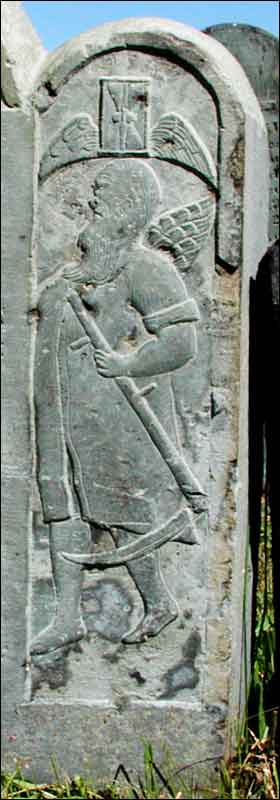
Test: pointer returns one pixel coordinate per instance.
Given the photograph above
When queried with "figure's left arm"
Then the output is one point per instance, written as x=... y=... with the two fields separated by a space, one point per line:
x=169 y=315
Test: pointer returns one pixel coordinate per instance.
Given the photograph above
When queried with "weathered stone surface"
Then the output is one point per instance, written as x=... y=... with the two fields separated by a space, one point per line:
x=135 y=385
x=17 y=153
x=258 y=53
x=21 y=53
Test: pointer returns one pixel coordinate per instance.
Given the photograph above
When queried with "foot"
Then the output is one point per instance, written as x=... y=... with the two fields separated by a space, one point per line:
x=151 y=625
x=57 y=635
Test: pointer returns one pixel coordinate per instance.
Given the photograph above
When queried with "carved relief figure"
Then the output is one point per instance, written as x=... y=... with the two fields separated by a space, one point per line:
x=112 y=329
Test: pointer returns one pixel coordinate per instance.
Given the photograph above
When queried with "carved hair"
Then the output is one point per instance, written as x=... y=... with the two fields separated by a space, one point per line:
x=136 y=194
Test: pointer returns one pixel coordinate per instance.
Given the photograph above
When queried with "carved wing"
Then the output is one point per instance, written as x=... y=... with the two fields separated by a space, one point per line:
x=79 y=134
x=176 y=139
x=184 y=231
x=78 y=140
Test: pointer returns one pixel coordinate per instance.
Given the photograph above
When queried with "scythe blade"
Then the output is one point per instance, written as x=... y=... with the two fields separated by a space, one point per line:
x=177 y=524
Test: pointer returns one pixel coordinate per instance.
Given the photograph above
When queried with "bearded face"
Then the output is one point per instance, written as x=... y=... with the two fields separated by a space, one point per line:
x=101 y=251
x=123 y=198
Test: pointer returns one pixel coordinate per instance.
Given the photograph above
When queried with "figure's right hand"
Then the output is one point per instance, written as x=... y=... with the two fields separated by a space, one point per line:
x=111 y=365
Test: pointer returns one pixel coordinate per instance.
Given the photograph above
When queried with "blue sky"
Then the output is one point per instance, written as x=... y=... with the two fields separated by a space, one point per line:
x=59 y=20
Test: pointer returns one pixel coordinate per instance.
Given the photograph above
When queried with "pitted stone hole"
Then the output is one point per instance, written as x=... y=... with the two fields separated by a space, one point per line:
x=184 y=674
x=137 y=677
x=50 y=89
x=142 y=97
x=33 y=315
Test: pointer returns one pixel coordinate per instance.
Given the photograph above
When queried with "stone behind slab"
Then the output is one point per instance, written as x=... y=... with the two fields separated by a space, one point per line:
x=258 y=53
x=91 y=704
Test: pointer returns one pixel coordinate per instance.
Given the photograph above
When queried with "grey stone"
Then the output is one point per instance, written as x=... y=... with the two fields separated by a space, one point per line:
x=17 y=153
x=125 y=355
x=22 y=53
x=258 y=53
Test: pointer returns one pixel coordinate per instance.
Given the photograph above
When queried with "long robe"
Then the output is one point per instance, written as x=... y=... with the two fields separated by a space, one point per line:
x=91 y=445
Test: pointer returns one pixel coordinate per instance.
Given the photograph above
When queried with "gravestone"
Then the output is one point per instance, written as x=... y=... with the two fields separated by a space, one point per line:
x=258 y=53
x=131 y=207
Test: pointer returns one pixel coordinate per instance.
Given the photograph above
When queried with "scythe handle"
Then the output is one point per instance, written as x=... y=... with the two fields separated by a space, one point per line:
x=184 y=477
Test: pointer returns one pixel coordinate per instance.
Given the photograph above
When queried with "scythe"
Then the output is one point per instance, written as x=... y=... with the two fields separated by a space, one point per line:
x=185 y=479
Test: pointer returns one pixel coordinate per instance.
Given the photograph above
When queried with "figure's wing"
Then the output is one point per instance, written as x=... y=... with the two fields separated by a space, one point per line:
x=78 y=140
x=183 y=231
x=176 y=139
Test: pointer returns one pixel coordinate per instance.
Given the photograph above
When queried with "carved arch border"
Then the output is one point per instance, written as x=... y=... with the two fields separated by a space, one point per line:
x=215 y=69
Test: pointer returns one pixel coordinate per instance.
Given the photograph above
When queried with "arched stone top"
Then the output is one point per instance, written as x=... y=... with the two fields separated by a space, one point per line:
x=217 y=72
x=207 y=57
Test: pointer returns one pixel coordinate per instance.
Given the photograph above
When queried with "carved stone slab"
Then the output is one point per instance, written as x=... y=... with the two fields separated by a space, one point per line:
x=125 y=360
x=258 y=53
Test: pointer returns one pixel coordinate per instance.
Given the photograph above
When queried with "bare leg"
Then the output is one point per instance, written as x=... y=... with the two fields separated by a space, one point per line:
x=159 y=607
x=67 y=625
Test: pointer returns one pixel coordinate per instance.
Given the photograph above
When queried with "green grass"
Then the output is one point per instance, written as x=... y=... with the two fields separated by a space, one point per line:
x=253 y=771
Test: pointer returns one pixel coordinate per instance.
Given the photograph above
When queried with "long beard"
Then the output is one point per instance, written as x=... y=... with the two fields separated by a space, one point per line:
x=101 y=260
